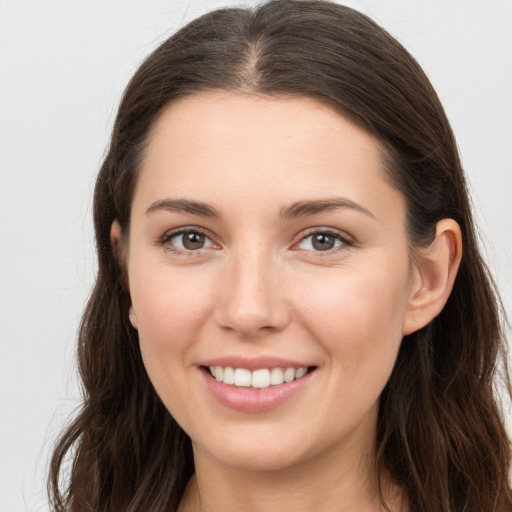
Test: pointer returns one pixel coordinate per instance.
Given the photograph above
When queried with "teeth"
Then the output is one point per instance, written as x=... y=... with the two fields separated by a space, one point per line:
x=229 y=376
x=289 y=374
x=262 y=378
x=300 y=372
x=276 y=376
x=242 y=378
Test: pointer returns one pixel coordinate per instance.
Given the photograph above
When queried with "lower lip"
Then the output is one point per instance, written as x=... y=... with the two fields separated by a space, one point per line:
x=254 y=400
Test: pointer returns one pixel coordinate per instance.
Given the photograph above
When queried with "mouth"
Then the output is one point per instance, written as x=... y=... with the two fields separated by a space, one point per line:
x=261 y=378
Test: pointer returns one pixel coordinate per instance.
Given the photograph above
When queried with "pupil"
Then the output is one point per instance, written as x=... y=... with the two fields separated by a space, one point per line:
x=323 y=242
x=193 y=240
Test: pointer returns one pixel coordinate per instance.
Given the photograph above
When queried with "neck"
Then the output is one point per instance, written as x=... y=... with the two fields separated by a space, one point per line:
x=331 y=483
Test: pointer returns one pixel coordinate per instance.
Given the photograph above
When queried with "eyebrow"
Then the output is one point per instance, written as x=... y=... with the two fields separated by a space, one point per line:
x=184 y=205
x=295 y=210
x=305 y=208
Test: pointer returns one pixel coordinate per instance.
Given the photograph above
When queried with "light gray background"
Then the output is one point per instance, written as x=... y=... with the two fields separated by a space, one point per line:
x=63 y=65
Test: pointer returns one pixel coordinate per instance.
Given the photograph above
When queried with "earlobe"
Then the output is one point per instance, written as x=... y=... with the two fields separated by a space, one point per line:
x=115 y=239
x=133 y=317
x=116 y=235
x=435 y=270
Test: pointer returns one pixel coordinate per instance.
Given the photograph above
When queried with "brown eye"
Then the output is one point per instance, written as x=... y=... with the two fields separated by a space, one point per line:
x=192 y=240
x=189 y=240
x=323 y=242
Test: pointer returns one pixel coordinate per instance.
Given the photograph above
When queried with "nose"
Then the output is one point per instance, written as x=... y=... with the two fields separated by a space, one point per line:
x=251 y=298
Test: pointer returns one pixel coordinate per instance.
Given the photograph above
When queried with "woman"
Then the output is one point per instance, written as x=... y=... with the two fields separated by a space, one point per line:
x=283 y=315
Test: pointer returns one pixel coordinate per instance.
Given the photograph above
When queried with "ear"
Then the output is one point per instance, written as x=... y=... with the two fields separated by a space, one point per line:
x=435 y=269
x=116 y=239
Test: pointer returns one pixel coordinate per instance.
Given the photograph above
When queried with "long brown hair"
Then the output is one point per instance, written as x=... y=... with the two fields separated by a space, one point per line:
x=440 y=432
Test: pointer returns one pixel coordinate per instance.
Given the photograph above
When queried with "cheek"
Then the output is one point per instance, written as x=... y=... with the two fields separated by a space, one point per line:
x=358 y=318
x=170 y=310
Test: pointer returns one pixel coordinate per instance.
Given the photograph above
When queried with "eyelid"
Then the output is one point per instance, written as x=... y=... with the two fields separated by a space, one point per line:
x=345 y=238
x=168 y=235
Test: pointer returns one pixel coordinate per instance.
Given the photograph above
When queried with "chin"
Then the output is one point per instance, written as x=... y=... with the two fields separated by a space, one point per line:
x=258 y=460
x=261 y=450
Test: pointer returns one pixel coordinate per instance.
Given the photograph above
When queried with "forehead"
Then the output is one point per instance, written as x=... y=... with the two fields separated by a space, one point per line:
x=217 y=144
x=216 y=116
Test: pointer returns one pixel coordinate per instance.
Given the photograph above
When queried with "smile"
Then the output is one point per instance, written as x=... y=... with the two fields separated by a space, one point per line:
x=260 y=378
x=256 y=386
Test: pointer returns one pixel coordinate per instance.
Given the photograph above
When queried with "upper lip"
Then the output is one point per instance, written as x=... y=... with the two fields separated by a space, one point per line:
x=254 y=363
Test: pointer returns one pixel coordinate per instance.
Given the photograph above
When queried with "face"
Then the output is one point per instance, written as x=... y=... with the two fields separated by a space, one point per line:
x=270 y=277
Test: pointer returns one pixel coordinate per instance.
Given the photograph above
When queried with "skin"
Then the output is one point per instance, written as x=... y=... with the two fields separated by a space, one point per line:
x=259 y=287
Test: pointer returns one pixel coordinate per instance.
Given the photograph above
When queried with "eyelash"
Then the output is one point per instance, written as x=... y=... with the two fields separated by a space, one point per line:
x=167 y=237
x=346 y=241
